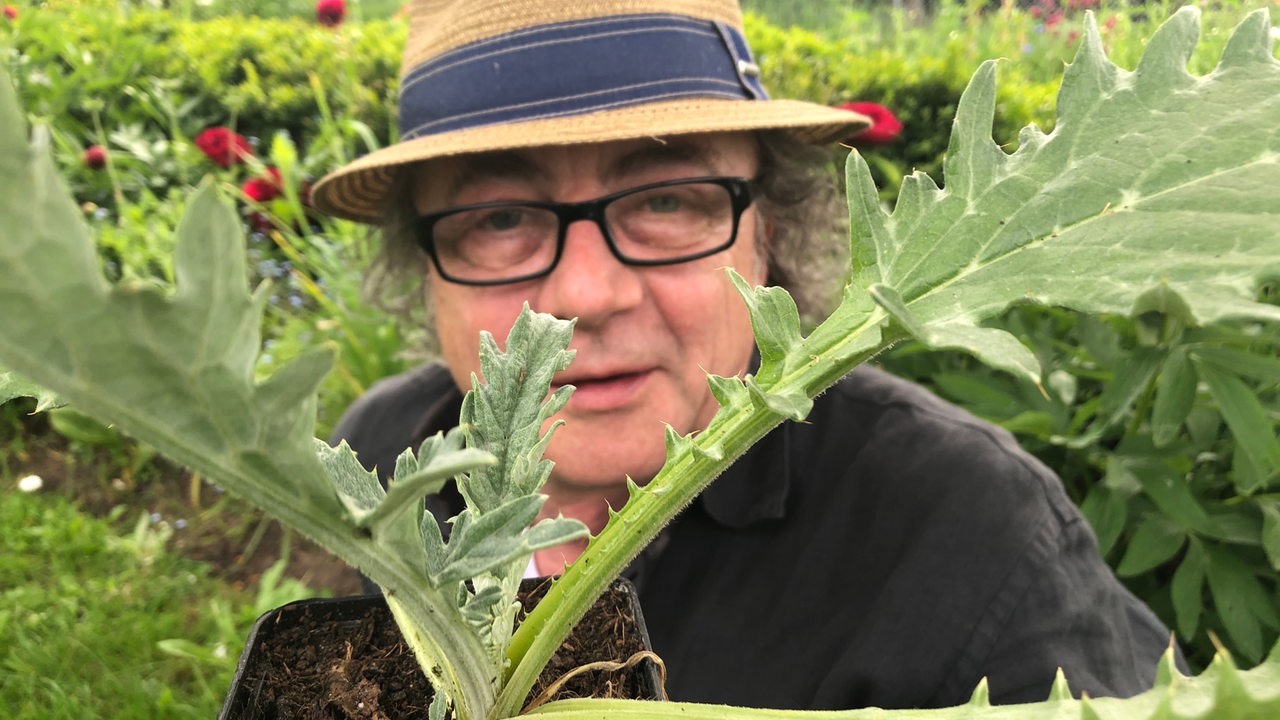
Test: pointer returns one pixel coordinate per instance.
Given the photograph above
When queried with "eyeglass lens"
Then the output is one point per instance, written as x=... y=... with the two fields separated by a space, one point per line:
x=659 y=224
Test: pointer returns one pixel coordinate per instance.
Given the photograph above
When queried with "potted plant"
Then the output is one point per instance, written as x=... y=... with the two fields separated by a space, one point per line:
x=1082 y=217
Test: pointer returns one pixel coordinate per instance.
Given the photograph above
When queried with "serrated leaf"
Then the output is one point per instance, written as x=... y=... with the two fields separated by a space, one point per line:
x=175 y=369
x=357 y=488
x=775 y=321
x=481 y=543
x=505 y=415
x=1155 y=190
x=439 y=459
x=1145 y=192
x=995 y=347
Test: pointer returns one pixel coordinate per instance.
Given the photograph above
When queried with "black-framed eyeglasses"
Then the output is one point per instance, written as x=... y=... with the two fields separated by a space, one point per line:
x=660 y=223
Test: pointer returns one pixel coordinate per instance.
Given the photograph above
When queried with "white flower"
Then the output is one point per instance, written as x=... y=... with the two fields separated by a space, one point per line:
x=30 y=483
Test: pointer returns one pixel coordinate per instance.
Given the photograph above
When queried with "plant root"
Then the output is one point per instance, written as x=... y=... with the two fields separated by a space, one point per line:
x=605 y=665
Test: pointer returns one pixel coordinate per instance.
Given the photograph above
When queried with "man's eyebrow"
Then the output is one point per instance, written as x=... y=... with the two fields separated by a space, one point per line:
x=667 y=152
x=493 y=165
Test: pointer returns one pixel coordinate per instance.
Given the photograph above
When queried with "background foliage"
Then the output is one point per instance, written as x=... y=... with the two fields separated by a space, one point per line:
x=1166 y=435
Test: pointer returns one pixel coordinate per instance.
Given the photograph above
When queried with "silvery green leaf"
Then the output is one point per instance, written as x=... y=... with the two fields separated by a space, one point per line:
x=439 y=459
x=504 y=416
x=1155 y=188
x=357 y=488
x=14 y=386
x=176 y=368
x=485 y=542
x=173 y=367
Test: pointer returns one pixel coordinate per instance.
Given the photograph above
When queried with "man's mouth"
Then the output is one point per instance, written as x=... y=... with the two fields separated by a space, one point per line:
x=603 y=393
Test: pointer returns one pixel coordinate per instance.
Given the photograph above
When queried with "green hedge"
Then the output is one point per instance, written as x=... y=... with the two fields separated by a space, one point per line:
x=175 y=77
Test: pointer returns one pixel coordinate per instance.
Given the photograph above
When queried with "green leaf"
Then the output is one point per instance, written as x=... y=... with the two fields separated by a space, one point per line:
x=504 y=416
x=1270 y=508
x=440 y=458
x=1241 y=602
x=484 y=543
x=995 y=347
x=1107 y=511
x=1186 y=590
x=1132 y=378
x=794 y=405
x=1252 y=428
x=1154 y=541
x=1240 y=362
x=776 y=322
x=1145 y=184
x=1175 y=396
x=1169 y=490
x=358 y=488
x=14 y=386
x=176 y=368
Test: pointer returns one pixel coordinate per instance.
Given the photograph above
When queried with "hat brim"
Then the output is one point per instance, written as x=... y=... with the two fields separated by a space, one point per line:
x=358 y=191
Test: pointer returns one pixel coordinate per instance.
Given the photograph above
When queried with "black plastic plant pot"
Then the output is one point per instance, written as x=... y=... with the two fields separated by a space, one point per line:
x=345 y=658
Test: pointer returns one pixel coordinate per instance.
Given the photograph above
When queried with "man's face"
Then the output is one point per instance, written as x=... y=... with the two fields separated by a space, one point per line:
x=645 y=336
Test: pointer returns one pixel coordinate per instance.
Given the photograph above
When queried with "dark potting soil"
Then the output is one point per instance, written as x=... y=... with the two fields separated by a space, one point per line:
x=313 y=668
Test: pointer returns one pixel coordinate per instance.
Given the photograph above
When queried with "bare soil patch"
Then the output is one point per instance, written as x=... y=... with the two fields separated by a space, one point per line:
x=237 y=541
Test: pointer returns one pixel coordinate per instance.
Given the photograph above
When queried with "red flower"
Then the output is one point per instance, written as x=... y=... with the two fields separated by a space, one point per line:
x=260 y=223
x=264 y=188
x=95 y=157
x=222 y=146
x=884 y=129
x=330 y=13
x=11 y=12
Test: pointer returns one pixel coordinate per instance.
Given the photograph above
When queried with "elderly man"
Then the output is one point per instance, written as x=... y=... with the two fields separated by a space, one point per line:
x=606 y=161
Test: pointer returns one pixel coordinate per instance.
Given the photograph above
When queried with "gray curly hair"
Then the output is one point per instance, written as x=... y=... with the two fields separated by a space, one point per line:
x=797 y=197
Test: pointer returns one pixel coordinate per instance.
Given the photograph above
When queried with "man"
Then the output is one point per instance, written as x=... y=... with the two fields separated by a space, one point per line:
x=607 y=161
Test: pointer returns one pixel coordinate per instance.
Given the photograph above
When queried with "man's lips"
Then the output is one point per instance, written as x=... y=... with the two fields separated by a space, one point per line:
x=604 y=392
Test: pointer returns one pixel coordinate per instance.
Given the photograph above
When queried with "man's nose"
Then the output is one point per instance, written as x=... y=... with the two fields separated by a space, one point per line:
x=590 y=282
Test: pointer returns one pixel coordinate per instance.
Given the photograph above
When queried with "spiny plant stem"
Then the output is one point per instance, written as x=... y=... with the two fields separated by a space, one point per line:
x=687 y=472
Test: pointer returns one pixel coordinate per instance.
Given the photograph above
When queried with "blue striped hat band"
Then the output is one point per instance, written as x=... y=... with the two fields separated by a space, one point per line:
x=576 y=67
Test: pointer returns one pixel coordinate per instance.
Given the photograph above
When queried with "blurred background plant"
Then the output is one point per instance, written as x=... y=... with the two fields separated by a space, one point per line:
x=1165 y=434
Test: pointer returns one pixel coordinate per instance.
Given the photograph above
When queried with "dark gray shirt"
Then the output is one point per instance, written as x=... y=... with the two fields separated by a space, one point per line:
x=890 y=551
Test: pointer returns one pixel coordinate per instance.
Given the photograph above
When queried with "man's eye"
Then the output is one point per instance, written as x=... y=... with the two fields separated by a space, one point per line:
x=504 y=219
x=663 y=203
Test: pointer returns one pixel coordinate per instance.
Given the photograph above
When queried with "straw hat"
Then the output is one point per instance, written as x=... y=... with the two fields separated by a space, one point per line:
x=482 y=75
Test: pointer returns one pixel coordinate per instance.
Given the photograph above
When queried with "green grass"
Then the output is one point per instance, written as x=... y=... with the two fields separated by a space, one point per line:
x=99 y=624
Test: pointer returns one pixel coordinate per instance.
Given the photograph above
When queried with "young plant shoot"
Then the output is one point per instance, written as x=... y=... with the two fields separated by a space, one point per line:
x=1156 y=190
